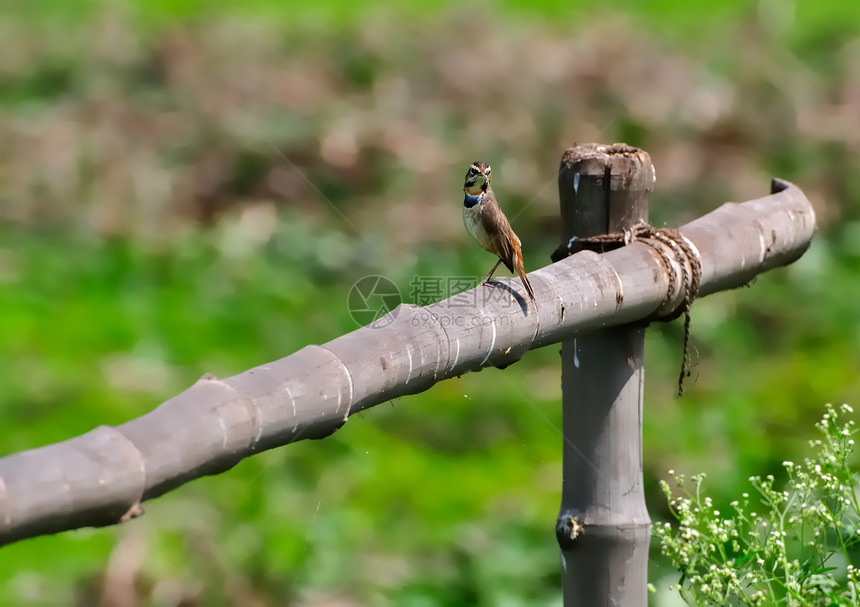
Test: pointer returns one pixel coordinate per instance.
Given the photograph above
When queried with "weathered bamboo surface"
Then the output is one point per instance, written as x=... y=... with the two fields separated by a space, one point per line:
x=101 y=477
x=603 y=528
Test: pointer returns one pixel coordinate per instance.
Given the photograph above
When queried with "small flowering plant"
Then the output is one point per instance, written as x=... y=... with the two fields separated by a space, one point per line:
x=778 y=547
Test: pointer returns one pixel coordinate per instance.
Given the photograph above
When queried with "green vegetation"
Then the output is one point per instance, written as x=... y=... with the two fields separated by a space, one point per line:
x=801 y=551
x=187 y=187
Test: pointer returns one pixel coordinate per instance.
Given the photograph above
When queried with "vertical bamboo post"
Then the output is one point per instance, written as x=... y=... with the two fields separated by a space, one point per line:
x=603 y=526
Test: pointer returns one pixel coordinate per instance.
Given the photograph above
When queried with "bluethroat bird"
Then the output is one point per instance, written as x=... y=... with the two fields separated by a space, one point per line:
x=488 y=225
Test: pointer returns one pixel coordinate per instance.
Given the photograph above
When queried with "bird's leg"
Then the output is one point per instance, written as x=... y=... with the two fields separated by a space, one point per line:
x=490 y=275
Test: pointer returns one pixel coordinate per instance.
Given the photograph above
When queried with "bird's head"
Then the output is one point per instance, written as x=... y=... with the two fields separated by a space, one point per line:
x=477 y=179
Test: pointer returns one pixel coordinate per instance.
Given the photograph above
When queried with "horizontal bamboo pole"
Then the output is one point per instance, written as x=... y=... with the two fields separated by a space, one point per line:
x=101 y=477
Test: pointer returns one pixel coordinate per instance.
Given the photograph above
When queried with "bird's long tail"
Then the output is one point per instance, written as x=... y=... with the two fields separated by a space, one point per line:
x=518 y=263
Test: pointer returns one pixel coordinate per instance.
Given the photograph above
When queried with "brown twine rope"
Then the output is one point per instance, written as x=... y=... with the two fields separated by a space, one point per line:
x=683 y=253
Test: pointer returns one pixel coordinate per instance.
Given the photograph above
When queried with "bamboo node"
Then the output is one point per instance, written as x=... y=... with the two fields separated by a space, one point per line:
x=567 y=529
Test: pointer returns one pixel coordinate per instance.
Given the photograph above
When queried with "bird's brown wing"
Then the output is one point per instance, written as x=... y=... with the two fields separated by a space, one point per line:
x=506 y=244
x=496 y=225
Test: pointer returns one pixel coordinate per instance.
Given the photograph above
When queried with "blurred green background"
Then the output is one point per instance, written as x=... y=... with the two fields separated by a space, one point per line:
x=192 y=186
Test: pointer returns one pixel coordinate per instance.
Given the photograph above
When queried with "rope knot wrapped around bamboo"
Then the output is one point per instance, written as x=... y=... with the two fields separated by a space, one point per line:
x=676 y=251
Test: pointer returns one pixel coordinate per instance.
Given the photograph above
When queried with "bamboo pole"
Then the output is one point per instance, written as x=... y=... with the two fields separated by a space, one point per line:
x=603 y=527
x=101 y=477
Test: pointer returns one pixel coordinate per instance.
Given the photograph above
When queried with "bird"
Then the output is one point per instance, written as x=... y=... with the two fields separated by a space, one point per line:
x=488 y=225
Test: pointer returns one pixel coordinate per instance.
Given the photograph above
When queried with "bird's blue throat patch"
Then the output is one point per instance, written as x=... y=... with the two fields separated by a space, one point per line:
x=471 y=201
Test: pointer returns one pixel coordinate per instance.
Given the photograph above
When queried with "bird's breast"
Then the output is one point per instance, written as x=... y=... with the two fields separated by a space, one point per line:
x=472 y=200
x=475 y=227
